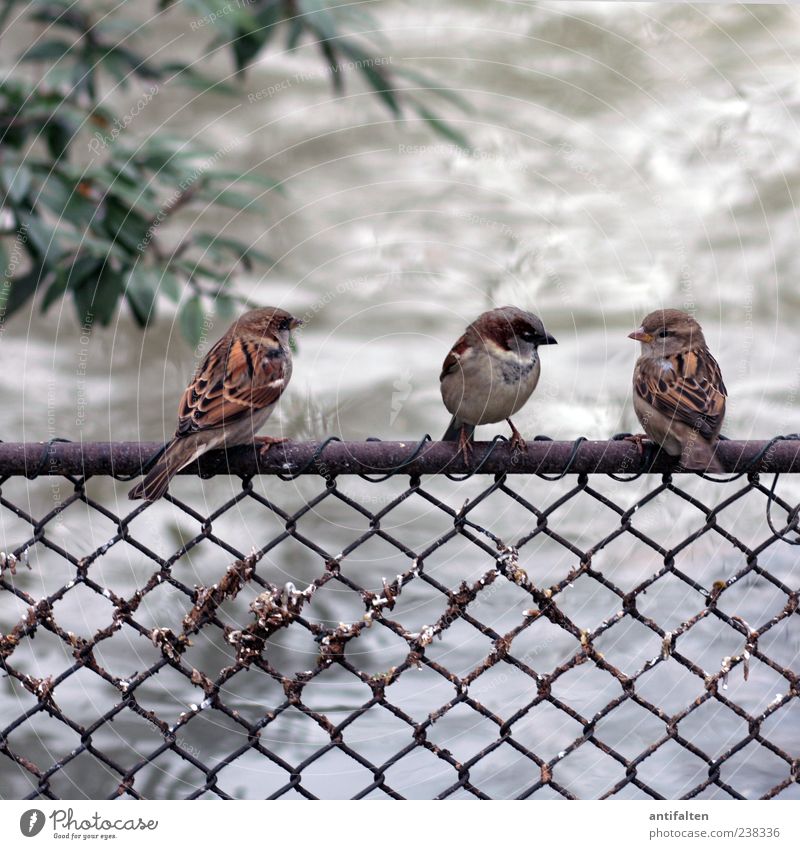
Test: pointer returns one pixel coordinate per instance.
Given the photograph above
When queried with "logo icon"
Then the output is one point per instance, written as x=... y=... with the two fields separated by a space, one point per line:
x=31 y=822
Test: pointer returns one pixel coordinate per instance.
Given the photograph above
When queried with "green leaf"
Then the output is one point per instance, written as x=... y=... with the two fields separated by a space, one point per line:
x=191 y=318
x=193 y=269
x=16 y=182
x=231 y=199
x=441 y=127
x=126 y=227
x=170 y=286
x=139 y=198
x=137 y=64
x=54 y=49
x=100 y=247
x=58 y=10
x=225 y=307
x=54 y=291
x=217 y=246
x=245 y=48
x=318 y=16
x=424 y=81
x=187 y=75
x=267 y=19
x=41 y=237
x=141 y=290
x=83 y=271
x=59 y=135
x=295 y=31
x=237 y=177
x=96 y=298
x=84 y=267
x=375 y=76
x=118 y=68
x=336 y=72
x=21 y=289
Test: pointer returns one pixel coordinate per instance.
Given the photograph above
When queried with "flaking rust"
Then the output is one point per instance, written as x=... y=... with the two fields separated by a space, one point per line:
x=42 y=688
x=38 y=614
x=333 y=644
x=208 y=599
x=172 y=645
x=9 y=561
x=274 y=608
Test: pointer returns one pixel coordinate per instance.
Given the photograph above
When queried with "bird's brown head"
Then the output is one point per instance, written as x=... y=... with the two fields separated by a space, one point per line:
x=511 y=328
x=664 y=333
x=267 y=321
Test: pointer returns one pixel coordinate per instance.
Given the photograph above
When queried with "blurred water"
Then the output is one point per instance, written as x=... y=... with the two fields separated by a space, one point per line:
x=626 y=156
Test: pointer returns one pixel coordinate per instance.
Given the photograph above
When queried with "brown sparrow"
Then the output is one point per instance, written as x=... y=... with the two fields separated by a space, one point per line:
x=678 y=393
x=491 y=372
x=230 y=397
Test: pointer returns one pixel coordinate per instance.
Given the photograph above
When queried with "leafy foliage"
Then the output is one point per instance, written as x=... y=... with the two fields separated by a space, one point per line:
x=105 y=231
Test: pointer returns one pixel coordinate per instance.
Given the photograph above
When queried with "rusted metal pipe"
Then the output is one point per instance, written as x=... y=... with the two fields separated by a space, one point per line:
x=375 y=458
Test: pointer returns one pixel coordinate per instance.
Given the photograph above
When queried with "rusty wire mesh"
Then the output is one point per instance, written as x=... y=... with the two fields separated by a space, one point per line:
x=227 y=629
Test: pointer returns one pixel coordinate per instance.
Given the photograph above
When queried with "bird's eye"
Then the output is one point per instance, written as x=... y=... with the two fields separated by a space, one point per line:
x=286 y=324
x=527 y=336
x=663 y=334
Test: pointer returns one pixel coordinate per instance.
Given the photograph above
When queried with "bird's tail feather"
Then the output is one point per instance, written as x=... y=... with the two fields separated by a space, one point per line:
x=155 y=483
x=699 y=456
x=453 y=432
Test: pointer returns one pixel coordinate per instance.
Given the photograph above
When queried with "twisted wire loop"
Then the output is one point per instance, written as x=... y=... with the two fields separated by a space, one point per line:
x=246 y=613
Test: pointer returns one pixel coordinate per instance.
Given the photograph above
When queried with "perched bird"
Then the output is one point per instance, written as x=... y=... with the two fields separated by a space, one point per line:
x=230 y=397
x=491 y=372
x=678 y=393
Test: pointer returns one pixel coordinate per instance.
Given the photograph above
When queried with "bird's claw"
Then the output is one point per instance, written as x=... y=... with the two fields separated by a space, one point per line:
x=465 y=447
x=268 y=442
x=517 y=442
x=639 y=439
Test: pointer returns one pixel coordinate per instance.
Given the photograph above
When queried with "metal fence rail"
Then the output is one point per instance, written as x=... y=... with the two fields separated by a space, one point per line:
x=246 y=638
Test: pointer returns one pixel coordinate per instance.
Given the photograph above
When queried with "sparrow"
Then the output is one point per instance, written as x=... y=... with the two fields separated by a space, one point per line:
x=491 y=372
x=678 y=392
x=232 y=394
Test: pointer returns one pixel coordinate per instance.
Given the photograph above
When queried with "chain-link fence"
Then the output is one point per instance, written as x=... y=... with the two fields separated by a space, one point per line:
x=375 y=619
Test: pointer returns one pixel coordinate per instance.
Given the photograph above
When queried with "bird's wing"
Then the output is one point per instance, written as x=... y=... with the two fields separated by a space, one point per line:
x=453 y=359
x=688 y=388
x=237 y=378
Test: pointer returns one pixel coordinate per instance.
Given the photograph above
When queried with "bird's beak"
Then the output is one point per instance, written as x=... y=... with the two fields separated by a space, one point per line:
x=297 y=322
x=640 y=335
x=546 y=339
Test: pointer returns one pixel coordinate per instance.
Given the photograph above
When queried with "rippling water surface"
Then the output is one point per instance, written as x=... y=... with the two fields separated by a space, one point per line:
x=626 y=156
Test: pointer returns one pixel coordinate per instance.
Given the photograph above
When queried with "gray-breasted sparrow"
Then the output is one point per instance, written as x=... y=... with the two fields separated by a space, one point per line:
x=491 y=372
